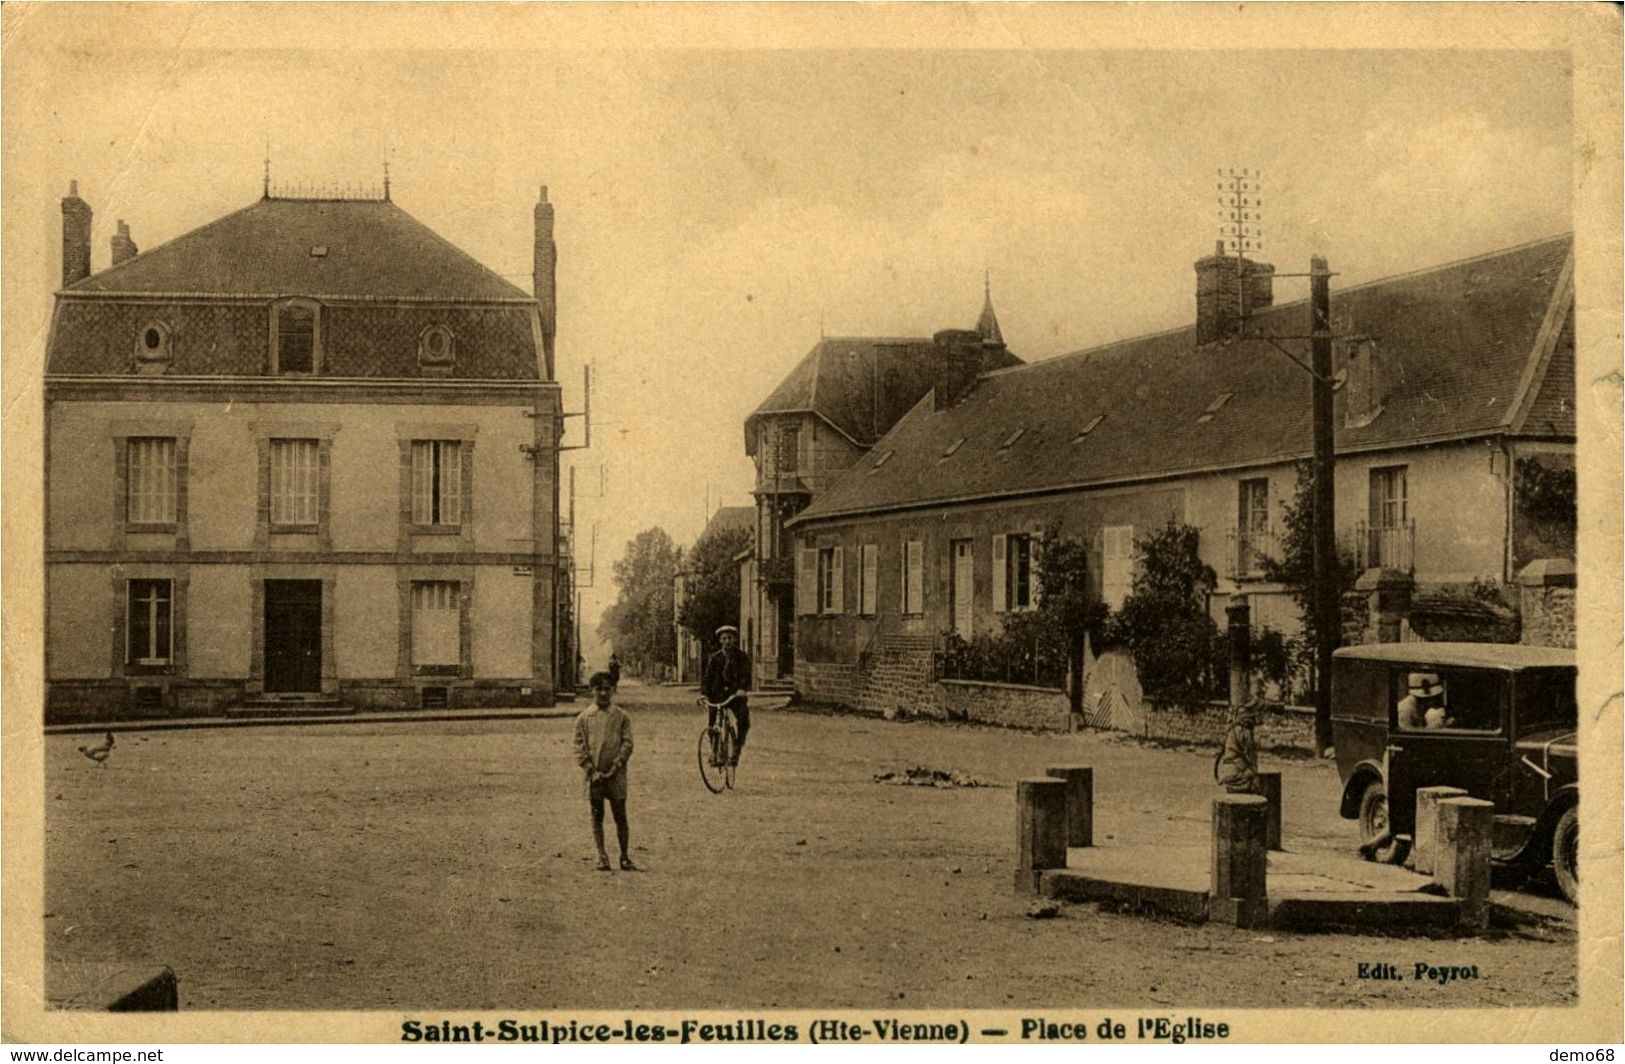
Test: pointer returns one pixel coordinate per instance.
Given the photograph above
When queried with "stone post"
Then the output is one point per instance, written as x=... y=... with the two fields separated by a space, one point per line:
x=1389 y=595
x=1424 y=840
x=1546 y=602
x=1269 y=784
x=1040 y=829
x=1237 y=894
x=1080 y=802
x=1238 y=620
x=1462 y=856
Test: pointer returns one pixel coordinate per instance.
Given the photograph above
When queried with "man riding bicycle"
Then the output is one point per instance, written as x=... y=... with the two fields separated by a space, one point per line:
x=727 y=673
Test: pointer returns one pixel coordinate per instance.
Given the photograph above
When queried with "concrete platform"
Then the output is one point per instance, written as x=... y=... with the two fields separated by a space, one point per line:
x=1315 y=891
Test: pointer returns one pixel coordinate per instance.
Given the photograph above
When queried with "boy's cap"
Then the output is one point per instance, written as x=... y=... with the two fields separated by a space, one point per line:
x=727 y=628
x=600 y=679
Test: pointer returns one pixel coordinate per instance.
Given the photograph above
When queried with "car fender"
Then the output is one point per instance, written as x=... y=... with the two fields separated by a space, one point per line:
x=1539 y=846
x=1362 y=776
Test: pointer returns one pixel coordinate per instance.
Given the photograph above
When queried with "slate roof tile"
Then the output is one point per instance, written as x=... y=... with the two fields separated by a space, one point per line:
x=1452 y=344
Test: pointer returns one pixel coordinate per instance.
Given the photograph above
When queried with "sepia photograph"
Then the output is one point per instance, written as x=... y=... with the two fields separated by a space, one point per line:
x=704 y=523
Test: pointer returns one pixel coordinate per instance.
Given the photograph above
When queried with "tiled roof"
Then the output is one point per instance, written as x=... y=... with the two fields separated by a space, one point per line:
x=281 y=247
x=859 y=384
x=729 y=518
x=1453 y=343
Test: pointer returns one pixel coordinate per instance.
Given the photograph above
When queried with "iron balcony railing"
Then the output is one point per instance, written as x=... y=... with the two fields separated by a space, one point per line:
x=1247 y=548
x=1387 y=546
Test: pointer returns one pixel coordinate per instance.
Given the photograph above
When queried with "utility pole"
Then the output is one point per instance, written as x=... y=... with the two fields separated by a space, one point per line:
x=1325 y=536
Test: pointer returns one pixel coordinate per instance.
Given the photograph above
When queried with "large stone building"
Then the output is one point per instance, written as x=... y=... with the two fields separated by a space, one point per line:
x=1455 y=433
x=305 y=453
x=839 y=400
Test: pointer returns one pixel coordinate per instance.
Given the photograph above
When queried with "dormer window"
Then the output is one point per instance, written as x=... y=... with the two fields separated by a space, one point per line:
x=296 y=338
x=435 y=348
x=152 y=351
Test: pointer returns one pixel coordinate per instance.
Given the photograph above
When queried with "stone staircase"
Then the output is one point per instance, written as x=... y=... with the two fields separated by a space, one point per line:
x=291 y=705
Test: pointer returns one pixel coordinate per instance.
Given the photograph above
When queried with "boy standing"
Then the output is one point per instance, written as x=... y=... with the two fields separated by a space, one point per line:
x=603 y=747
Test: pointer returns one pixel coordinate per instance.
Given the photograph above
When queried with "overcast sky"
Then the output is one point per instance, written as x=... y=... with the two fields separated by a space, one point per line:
x=718 y=207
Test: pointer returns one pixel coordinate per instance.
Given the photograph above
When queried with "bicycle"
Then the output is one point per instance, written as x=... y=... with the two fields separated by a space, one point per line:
x=719 y=745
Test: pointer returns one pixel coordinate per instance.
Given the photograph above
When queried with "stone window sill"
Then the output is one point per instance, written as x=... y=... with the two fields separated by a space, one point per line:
x=295 y=530
x=162 y=527
x=437 y=530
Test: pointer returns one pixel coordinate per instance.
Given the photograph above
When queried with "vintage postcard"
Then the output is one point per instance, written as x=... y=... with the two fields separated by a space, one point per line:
x=1030 y=524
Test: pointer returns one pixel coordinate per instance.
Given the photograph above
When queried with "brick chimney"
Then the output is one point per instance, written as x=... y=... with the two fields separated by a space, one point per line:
x=123 y=247
x=959 y=360
x=76 y=215
x=546 y=263
x=1218 y=287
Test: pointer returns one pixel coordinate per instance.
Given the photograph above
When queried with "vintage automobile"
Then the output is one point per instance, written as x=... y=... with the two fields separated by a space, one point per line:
x=1496 y=720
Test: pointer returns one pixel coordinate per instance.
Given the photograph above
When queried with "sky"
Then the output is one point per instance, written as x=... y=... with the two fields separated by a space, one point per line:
x=721 y=205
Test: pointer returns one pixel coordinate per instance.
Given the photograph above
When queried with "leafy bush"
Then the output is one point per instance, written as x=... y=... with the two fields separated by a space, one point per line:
x=1178 y=650
x=1026 y=650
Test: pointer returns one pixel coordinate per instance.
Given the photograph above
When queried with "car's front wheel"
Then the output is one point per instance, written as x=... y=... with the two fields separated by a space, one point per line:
x=1377 y=841
x=1566 y=854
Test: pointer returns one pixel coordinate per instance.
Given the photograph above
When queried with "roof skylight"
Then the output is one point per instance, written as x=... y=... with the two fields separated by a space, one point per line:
x=952 y=447
x=1012 y=438
x=1094 y=423
x=882 y=460
x=1215 y=406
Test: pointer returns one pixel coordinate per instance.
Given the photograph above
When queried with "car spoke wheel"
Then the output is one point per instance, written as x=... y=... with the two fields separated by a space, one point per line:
x=1566 y=854
x=711 y=761
x=1375 y=828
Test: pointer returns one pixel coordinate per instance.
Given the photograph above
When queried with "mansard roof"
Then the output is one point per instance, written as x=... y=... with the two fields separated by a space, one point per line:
x=1474 y=348
x=860 y=385
x=319 y=248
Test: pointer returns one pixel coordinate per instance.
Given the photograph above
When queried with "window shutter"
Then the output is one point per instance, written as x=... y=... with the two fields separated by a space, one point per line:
x=869 y=582
x=451 y=480
x=916 y=577
x=1001 y=567
x=837 y=580
x=1035 y=588
x=806 y=581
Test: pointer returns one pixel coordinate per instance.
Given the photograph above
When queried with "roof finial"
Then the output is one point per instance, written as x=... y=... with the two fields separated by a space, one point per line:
x=386 y=171
x=988 y=323
x=267 y=192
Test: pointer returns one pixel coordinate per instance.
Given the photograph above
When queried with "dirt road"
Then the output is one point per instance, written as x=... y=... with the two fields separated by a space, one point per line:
x=366 y=865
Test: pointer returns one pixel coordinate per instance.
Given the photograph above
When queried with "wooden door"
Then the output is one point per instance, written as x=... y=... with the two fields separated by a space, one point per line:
x=293 y=636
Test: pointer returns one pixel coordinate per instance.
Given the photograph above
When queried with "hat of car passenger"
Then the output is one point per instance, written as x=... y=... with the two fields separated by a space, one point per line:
x=1425 y=684
x=727 y=628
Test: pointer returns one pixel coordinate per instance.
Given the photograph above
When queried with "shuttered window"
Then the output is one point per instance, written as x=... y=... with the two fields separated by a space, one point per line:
x=437 y=482
x=870 y=580
x=914 y=577
x=436 y=613
x=1001 y=573
x=151 y=468
x=806 y=581
x=1117 y=565
x=295 y=485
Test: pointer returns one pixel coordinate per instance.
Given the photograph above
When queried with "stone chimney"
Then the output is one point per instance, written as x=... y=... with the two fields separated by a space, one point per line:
x=546 y=262
x=1219 y=288
x=123 y=247
x=76 y=215
x=959 y=360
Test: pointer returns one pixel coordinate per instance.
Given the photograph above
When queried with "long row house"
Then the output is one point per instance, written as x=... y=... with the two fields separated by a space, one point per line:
x=306 y=453
x=1454 y=419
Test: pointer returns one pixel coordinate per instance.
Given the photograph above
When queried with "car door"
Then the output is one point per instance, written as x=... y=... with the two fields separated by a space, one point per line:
x=1467 y=750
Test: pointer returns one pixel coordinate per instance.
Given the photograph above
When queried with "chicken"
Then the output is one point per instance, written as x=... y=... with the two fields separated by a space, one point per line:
x=99 y=754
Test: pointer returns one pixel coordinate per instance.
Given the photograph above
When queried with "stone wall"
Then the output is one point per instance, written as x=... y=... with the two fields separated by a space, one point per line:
x=897 y=678
x=1010 y=705
x=827 y=683
x=1204 y=724
x=1546 y=600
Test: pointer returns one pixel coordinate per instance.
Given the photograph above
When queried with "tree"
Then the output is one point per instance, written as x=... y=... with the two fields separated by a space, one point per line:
x=1165 y=623
x=1296 y=566
x=638 y=626
x=1064 y=603
x=712 y=597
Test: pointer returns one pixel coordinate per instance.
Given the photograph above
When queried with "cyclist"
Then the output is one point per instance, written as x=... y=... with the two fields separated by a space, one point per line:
x=727 y=673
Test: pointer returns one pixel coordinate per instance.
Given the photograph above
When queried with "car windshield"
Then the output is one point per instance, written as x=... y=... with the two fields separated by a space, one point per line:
x=1545 y=698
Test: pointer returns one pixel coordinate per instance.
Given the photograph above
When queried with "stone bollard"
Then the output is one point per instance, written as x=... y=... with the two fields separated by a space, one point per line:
x=1269 y=785
x=1424 y=837
x=1237 y=894
x=1461 y=856
x=1080 y=802
x=1040 y=829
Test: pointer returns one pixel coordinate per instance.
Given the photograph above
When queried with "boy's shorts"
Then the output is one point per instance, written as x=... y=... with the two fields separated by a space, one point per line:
x=609 y=787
